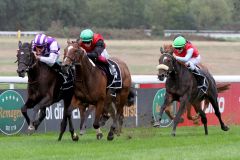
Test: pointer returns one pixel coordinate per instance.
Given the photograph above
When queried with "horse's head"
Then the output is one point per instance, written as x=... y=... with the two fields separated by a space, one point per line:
x=165 y=66
x=72 y=55
x=25 y=58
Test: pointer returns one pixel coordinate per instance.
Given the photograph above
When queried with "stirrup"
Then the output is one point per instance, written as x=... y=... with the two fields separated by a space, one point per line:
x=113 y=92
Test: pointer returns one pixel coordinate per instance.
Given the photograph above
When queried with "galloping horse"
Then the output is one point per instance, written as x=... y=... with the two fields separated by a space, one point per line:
x=181 y=85
x=91 y=87
x=167 y=48
x=44 y=85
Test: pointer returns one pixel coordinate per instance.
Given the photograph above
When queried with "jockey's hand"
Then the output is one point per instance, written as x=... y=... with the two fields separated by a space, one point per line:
x=174 y=56
x=36 y=55
x=84 y=51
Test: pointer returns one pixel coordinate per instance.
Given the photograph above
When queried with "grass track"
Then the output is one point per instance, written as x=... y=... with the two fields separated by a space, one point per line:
x=137 y=144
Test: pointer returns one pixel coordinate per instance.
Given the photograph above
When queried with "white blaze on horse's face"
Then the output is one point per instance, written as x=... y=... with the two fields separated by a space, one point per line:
x=164 y=59
x=68 y=50
x=163 y=66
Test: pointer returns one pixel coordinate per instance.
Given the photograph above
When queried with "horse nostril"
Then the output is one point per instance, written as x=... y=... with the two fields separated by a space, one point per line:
x=161 y=77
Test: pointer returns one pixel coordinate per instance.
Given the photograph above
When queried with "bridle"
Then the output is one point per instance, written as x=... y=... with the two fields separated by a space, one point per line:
x=73 y=60
x=29 y=63
x=167 y=69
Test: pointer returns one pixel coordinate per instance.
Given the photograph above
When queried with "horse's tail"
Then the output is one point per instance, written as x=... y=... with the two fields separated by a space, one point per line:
x=221 y=87
x=131 y=98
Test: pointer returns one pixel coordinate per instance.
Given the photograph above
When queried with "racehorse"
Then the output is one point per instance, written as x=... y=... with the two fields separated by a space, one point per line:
x=167 y=48
x=90 y=87
x=44 y=85
x=181 y=85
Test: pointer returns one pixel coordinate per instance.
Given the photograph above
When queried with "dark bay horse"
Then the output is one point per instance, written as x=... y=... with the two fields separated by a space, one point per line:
x=181 y=85
x=91 y=87
x=44 y=85
x=221 y=87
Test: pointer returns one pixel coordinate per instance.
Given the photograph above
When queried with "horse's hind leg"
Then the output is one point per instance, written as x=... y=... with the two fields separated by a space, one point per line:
x=217 y=112
x=203 y=116
x=67 y=113
x=71 y=128
x=42 y=115
x=84 y=117
x=63 y=125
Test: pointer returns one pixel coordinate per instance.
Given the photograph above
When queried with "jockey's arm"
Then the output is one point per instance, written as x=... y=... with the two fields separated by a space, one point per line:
x=53 y=56
x=50 y=60
x=187 y=57
x=97 y=50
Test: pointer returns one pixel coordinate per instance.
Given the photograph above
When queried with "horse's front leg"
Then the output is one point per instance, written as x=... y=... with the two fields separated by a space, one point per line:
x=45 y=102
x=114 y=115
x=184 y=101
x=167 y=102
x=28 y=105
x=98 y=113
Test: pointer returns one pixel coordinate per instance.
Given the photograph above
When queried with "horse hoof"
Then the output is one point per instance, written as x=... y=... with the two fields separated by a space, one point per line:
x=173 y=134
x=99 y=136
x=82 y=132
x=110 y=136
x=225 y=128
x=31 y=128
x=156 y=124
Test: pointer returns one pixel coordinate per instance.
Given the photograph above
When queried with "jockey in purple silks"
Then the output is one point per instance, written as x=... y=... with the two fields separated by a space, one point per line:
x=46 y=49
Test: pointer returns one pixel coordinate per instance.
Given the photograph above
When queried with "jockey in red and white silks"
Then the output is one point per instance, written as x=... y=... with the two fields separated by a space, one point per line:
x=186 y=52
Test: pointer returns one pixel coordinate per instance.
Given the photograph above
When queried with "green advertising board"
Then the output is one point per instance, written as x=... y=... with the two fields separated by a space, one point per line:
x=11 y=119
x=157 y=103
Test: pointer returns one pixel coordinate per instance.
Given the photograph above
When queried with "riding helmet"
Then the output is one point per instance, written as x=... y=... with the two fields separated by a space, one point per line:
x=86 y=35
x=40 y=40
x=179 y=42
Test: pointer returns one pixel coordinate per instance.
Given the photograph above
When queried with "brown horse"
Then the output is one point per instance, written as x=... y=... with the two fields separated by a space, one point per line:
x=167 y=48
x=181 y=85
x=91 y=87
x=44 y=85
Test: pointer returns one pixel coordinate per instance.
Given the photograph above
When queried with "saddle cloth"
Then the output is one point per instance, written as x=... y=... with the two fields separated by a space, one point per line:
x=112 y=82
x=201 y=81
x=68 y=79
x=116 y=81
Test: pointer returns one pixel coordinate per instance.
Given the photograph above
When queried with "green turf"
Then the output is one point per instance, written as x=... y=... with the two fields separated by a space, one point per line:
x=136 y=144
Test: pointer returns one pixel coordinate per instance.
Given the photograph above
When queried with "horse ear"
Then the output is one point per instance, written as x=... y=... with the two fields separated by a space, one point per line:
x=68 y=42
x=161 y=50
x=19 y=44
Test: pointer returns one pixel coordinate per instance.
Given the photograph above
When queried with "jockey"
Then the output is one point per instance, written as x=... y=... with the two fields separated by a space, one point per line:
x=46 y=49
x=94 y=45
x=185 y=52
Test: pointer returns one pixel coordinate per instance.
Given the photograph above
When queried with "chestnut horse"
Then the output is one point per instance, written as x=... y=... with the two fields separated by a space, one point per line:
x=44 y=85
x=181 y=85
x=90 y=87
